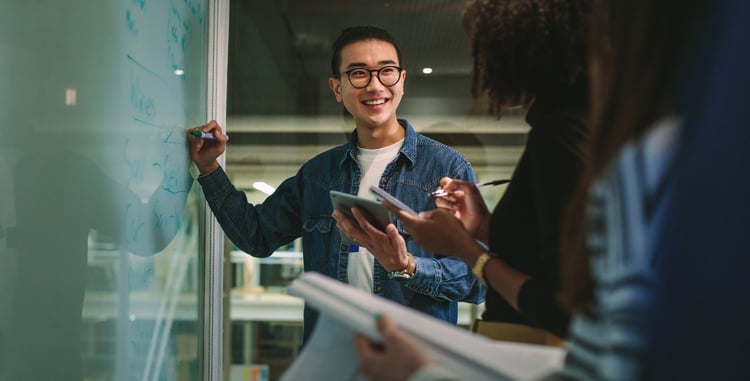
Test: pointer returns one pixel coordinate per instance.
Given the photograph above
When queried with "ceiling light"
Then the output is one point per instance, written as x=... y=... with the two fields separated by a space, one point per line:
x=426 y=70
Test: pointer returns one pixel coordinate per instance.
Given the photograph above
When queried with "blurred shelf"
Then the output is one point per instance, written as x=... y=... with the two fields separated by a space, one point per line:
x=260 y=306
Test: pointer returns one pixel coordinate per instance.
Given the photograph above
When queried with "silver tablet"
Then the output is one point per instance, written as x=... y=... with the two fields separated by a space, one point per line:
x=392 y=199
x=374 y=211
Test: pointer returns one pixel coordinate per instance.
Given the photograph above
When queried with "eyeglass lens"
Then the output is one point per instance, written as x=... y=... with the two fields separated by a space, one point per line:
x=388 y=76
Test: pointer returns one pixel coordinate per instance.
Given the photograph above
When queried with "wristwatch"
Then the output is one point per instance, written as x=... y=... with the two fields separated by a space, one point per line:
x=407 y=273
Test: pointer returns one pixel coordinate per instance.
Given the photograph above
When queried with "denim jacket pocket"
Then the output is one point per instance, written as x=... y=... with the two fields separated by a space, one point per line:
x=319 y=224
x=318 y=234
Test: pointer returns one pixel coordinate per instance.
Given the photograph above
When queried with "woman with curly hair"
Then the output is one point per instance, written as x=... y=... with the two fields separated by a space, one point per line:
x=529 y=54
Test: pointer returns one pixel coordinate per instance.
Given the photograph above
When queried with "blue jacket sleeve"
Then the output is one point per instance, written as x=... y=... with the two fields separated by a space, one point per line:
x=446 y=277
x=255 y=229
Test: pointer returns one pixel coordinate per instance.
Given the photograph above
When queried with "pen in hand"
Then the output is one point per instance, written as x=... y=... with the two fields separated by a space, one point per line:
x=205 y=135
x=442 y=192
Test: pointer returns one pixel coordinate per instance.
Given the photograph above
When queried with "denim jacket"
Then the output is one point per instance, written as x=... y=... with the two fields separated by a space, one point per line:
x=301 y=206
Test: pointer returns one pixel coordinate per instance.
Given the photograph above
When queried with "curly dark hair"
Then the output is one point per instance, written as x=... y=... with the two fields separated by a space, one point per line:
x=526 y=49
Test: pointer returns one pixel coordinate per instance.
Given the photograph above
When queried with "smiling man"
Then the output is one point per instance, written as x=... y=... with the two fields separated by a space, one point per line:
x=384 y=151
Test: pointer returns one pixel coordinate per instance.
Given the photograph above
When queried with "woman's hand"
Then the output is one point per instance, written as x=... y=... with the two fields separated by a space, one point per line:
x=465 y=201
x=437 y=230
x=396 y=359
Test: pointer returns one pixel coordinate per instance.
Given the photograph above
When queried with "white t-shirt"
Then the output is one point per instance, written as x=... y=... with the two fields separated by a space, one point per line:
x=372 y=163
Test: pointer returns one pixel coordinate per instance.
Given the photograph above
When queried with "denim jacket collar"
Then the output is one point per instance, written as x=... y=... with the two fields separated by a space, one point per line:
x=408 y=149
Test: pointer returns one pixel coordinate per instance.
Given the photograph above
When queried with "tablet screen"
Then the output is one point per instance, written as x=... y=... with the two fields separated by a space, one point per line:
x=374 y=211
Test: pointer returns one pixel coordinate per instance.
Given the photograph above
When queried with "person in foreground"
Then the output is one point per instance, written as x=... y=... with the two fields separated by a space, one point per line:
x=617 y=213
x=700 y=317
x=384 y=151
x=533 y=55
x=617 y=216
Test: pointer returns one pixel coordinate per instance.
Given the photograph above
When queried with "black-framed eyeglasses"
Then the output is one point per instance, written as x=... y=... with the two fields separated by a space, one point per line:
x=360 y=77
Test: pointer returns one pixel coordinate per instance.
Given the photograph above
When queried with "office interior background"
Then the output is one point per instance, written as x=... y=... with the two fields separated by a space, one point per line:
x=281 y=113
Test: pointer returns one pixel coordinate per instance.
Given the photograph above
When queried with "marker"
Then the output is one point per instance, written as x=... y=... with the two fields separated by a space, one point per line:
x=442 y=192
x=205 y=135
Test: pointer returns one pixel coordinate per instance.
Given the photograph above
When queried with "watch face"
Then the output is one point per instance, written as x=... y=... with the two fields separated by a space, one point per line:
x=399 y=275
x=405 y=273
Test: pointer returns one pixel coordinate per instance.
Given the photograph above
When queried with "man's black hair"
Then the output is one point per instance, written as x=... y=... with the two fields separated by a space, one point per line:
x=359 y=33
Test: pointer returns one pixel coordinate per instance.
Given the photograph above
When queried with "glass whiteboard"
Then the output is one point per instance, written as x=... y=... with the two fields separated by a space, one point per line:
x=99 y=218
